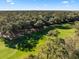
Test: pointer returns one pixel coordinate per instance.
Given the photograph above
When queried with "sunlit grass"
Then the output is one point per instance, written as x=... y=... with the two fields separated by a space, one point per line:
x=9 y=53
x=63 y=33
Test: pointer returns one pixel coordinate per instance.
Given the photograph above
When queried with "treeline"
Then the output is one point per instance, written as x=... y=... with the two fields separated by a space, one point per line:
x=19 y=23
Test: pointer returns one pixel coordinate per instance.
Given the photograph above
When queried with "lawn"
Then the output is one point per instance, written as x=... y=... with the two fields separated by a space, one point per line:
x=64 y=33
x=9 y=53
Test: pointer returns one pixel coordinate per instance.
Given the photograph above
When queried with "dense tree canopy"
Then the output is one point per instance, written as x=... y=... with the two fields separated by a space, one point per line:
x=20 y=23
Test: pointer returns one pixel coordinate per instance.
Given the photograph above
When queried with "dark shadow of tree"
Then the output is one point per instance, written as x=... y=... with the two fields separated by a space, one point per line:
x=26 y=42
x=29 y=41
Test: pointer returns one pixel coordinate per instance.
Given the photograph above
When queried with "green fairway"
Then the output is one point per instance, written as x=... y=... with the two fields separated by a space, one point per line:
x=8 y=53
x=64 y=33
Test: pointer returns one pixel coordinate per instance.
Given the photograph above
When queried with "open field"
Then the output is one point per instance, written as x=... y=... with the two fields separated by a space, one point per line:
x=9 y=53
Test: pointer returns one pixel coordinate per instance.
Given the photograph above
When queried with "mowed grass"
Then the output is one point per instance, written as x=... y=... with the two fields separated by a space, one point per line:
x=9 y=53
x=64 y=33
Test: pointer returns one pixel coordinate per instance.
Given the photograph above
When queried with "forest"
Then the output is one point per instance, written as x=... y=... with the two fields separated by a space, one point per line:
x=39 y=34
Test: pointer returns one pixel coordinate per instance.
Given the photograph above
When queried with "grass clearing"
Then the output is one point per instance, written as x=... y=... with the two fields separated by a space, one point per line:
x=66 y=32
x=9 y=53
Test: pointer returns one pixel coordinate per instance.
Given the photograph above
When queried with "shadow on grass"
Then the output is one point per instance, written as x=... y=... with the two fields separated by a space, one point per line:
x=27 y=42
